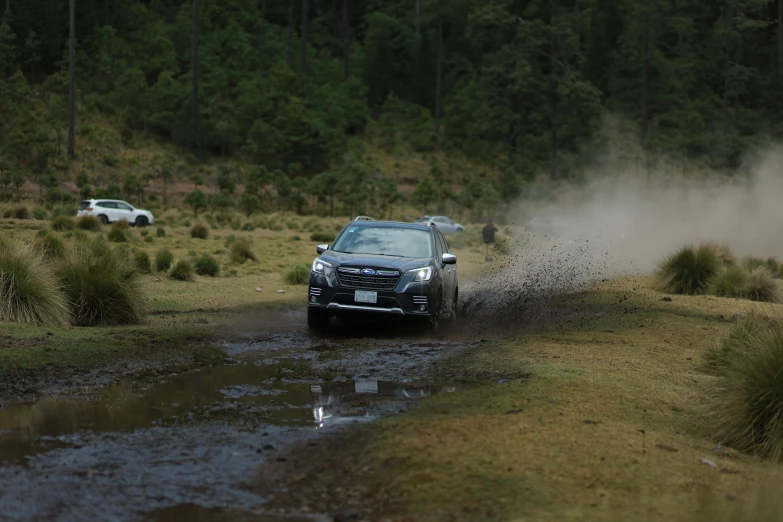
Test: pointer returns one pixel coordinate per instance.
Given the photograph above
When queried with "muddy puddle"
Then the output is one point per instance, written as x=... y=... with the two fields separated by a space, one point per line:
x=183 y=448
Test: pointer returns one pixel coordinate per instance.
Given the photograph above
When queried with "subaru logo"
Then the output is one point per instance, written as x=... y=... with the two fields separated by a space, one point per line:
x=368 y=271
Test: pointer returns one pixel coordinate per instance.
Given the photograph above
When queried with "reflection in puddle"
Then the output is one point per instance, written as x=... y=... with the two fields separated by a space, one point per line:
x=258 y=389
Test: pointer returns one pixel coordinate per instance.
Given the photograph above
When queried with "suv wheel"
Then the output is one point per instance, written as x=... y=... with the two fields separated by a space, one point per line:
x=104 y=219
x=141 y=222
x=433 y=321
x=317 y=320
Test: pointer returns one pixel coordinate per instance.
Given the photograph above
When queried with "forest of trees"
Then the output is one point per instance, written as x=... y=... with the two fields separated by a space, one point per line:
x=290 y=86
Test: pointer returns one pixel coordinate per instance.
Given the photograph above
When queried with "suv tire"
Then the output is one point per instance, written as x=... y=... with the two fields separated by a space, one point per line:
x=317 y=320
x=141 y=222
x=104 y=219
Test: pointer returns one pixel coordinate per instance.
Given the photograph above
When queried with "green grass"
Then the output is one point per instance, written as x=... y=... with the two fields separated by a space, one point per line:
x=63 y=223
x=51 y=246
x=163 y=260
x=324 y=237
x=89 y=223
x=206 y=265
x=142 y=261
x=735 y=343
x=298 y=275
x=117 y=235
x=729 y=281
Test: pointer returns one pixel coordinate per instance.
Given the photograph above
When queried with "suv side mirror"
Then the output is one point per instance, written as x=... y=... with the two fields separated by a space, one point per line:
x=449 y=259
x=321 y=249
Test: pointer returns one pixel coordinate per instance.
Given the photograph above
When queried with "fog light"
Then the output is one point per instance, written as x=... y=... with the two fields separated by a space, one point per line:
x=313 y=299
x=423 y=307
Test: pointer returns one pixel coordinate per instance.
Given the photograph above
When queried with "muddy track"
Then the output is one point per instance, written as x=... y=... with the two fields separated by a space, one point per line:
x=190 y=444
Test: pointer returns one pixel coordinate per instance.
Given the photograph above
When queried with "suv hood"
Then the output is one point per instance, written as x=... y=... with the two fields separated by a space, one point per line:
x=374 y=261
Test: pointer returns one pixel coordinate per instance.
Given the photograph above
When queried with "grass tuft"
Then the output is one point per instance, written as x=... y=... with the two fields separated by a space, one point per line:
x=182 y=271
x=163 y=260
x=199 y=231
x=206 y=265
x=241 y=251
x=689 y=270
x=761 y=286
x=63 y=223
x=22 y=213
x=51 y=246
x=325 y=237
x=102 y=286
x=746 y=404
x=90 y=223
x=142 y=261
x=121 y=224
x=29 y=292
x=117 y=235
x=729 y=281
x=735 y=344
x=160 y=232
x=298 y=275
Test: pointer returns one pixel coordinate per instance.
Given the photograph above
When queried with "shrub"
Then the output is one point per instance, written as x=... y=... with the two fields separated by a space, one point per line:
x=78 y=236
x=722 y=252
x=143 y=263
x=149 y=239
x=775 y=267
x=160 y=232
x=182 y=271
x=91 y=223
x=199 y=231
x=22 y=213
x=39 y=214
x=729 y=281
x=121 y=224
x=761 y=286
x=241 y=252
x=206 y=265
x=689 y=270
x=746 y=404
x=29 y=292
x=102 y=286
x=62 y=223
x=322 y=237
x=42 y=232
x=247 y=226
x=117 y=235
x=296 y=238
x=144 y=233
x=753 y=262
x=103 y=283
x=298 y=275
x=51 y=246
x=163 y=260
x=735 y=344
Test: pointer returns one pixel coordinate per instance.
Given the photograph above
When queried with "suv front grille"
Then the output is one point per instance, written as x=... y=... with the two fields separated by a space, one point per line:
x=349 y=277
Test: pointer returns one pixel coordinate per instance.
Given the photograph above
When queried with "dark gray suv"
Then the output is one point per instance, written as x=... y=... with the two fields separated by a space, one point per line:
x=379 y=267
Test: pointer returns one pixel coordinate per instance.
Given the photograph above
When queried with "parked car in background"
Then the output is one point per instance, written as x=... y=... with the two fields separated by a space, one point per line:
x=422 y=219
x=445 y=225
x=364 y=218
x=113 y=210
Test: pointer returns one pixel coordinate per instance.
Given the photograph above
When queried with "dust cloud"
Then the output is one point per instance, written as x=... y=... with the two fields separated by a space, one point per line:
x=624 y=221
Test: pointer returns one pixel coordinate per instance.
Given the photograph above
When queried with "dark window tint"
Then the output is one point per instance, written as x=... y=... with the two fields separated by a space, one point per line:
x=444 y=244
x=84 y=204
x=107 y=204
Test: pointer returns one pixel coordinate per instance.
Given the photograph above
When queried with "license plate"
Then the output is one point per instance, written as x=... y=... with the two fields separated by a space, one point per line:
x=365 y=297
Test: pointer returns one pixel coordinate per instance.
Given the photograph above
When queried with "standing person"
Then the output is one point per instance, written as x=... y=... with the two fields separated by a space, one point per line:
x=488 y=234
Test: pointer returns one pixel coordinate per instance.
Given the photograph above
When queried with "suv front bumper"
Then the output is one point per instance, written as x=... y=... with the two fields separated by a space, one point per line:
x=413 y=299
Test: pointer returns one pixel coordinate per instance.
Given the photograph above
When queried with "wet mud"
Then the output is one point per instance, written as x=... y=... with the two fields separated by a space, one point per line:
x=188 y=447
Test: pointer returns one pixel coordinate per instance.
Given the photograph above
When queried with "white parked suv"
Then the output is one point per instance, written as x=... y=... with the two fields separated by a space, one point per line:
x=113 y=210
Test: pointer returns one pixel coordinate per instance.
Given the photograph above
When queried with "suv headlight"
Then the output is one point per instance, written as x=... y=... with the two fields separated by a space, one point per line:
x=319 y=267
x=422 y=274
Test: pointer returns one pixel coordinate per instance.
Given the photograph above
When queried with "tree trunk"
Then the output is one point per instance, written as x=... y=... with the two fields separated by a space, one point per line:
x=645 y=79
x=303 y=48
x=72 y=81
x=417 y=22
x=194 y=74
x=439 y=70
x=780 y=37
x=261 y=39
x=289 y=41
x=347 y=44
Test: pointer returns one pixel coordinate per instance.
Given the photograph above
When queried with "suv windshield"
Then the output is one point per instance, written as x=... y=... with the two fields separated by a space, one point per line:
x=386 y=241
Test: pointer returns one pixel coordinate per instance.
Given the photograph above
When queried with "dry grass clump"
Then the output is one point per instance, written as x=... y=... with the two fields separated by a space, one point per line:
x=241 y=251
x=182 y=271
x=102 y=286
x=690 y=270
x=89 y=223
x=199 y=231
x=29 y=290
x=746 y=402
